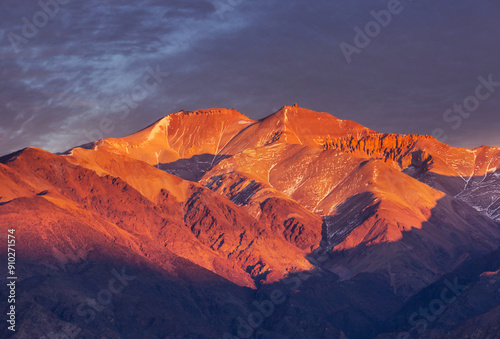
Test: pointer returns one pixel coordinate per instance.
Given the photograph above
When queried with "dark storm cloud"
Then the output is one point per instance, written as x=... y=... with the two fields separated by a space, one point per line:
x=255 y=57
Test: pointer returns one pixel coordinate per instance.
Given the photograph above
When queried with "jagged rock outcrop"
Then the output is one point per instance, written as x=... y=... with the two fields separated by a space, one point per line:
x=388 y=147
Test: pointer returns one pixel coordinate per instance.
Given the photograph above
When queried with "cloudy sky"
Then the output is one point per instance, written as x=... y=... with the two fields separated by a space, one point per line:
x=82 y=70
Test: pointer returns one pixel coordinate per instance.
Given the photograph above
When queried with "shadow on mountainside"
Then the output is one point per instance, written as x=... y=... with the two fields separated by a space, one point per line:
x=194 y=168
x=442 y=308
x=121 y=297
x=87 y=299
x=453 y=233
x=481 y=192
x=455 y=237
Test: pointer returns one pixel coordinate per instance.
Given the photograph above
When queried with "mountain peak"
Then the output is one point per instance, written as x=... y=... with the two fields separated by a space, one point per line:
x=181 y=135
x=295 y=105
x=307 y=124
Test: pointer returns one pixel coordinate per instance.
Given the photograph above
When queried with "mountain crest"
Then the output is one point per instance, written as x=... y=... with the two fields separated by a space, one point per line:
x=214 y=111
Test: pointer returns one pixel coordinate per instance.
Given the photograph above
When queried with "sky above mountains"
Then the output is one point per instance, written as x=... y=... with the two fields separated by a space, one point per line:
x=72 y=72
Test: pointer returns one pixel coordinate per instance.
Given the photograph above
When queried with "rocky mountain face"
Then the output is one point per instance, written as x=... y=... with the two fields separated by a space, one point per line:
x=297 y=225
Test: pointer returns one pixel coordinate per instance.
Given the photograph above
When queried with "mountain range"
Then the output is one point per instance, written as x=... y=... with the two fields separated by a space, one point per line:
x=298 y=225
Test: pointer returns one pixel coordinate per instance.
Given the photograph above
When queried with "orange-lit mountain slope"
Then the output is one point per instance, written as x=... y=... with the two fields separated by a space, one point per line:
x=156 y=209
x=190 y=143
x=180 y=135
x=294 y=125
x=367 y=206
